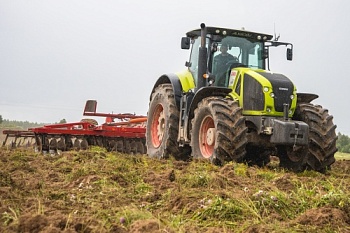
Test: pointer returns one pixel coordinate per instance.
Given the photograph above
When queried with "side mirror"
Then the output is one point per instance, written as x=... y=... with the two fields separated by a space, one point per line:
x=185 y=43
x=289 y=54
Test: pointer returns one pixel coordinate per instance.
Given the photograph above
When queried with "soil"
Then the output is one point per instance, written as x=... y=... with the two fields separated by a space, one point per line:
x=97 y=192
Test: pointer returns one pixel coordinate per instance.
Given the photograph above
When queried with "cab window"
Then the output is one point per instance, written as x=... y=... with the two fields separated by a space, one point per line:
x=194 y=59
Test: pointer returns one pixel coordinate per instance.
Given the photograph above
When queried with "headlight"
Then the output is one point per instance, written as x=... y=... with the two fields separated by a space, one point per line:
x=272 y=95
x=292 y=97
x=266 y=89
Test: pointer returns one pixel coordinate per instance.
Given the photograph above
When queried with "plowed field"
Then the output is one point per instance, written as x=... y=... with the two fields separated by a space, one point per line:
x=96 y=191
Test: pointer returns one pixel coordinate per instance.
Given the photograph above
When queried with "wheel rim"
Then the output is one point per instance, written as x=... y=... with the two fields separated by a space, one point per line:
x=207 y=137
x=158 y=126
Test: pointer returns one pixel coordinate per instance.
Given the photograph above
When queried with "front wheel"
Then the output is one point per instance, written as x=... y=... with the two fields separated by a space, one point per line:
x=218 y=131
x=322 y=136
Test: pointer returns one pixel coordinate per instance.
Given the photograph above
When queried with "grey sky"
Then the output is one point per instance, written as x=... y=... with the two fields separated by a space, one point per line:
x=54 y=55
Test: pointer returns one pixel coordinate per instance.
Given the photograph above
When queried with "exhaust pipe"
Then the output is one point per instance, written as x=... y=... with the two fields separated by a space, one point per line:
x=203 y=35
x=202 y=59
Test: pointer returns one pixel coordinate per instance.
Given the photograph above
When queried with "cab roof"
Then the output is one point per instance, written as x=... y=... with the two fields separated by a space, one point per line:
x=231 y=32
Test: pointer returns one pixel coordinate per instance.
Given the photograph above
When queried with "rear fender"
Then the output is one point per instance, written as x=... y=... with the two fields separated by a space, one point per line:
x=306 y=97
x=175 y=82
x=182 y=82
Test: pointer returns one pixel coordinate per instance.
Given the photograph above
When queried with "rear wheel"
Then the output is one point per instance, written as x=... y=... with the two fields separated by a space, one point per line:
x=218 y=131
x=162 y=125
x=322 y=135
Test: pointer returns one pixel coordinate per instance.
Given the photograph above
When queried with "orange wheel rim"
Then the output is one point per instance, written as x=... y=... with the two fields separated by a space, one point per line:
x=206 y=141
x=158 y=126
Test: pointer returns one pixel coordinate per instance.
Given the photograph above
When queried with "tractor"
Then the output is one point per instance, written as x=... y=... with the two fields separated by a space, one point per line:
x=228 y=106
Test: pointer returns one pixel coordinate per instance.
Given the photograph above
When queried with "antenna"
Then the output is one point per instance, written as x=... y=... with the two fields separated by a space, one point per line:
x=276 y=38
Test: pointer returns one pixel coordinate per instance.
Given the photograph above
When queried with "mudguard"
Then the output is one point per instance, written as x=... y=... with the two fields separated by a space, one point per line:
x=200 y=94
x=205 y=92
x=175 y=82
x=306 y=97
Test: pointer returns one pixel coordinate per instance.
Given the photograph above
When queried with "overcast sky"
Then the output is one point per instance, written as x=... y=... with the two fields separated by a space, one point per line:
x=54 y=55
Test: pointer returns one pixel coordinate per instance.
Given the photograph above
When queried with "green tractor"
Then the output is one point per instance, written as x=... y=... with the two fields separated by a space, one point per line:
x=227 y=106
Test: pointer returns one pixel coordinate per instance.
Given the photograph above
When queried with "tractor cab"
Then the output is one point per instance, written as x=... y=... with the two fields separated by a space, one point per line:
x=228 y=49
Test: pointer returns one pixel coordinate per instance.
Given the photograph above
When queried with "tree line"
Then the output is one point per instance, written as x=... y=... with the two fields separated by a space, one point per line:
x=343 y=143
x=22 y=125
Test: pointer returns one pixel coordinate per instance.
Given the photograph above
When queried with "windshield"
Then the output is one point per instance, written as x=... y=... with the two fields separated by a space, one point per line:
x=231 y=52
x=236 y=52
x=242 y=50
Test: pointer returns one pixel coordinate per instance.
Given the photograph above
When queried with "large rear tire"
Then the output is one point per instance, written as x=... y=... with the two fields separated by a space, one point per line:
x=163 y=125
x=218 y=131
x=322 y=135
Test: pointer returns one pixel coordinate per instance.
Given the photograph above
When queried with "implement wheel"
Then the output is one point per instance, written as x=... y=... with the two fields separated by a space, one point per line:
x=218 y=131
x=140 y=147
x=322 y=135
x=162 y=125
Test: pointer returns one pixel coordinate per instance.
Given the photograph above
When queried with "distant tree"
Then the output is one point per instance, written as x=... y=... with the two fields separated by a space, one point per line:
x=22 y=125
x=1 y=119
x=343 y=143
x=63 y=121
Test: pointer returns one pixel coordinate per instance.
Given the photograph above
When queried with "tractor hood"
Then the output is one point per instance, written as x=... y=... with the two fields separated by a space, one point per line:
x=265 y=93
x=282 y=88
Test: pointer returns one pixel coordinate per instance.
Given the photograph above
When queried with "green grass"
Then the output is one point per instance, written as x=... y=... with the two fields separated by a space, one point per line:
x=342 y=156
